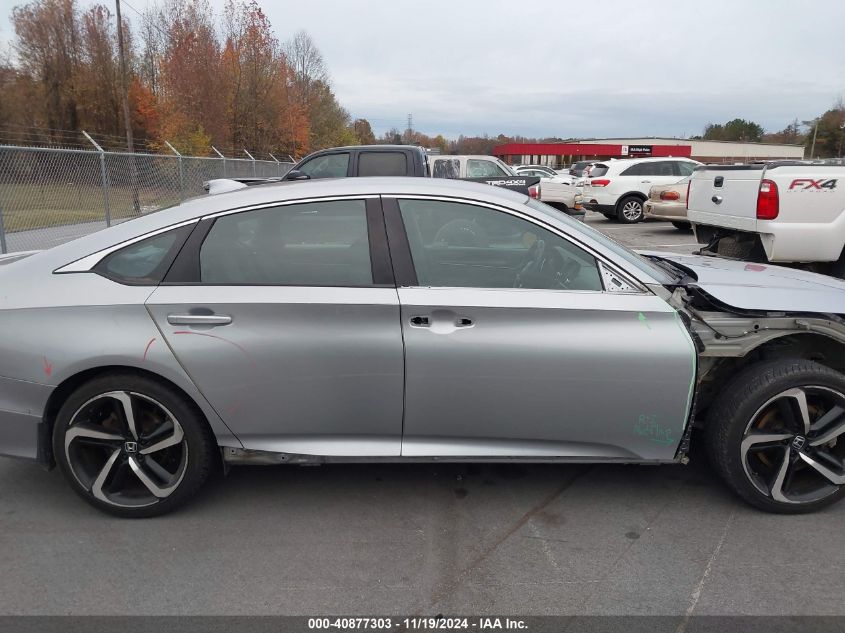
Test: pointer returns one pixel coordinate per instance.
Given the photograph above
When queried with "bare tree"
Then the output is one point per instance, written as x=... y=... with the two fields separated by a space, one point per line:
x=307 y=63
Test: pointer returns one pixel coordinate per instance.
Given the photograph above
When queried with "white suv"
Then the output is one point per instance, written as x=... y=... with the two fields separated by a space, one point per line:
x=618 y=188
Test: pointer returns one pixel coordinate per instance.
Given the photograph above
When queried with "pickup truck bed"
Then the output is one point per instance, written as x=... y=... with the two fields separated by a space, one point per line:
x=780 y=212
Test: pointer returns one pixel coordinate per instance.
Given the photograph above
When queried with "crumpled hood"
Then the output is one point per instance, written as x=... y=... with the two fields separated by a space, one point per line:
x=751 y=286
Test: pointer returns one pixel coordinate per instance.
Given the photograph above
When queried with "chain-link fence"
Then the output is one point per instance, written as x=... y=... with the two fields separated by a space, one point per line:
x=49 y=196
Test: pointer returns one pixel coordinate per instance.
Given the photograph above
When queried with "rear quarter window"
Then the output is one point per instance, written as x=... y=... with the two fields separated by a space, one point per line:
x=145 y=262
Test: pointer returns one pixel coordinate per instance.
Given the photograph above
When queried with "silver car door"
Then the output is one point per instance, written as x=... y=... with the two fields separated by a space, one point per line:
x=514 y=348
x=287 y=319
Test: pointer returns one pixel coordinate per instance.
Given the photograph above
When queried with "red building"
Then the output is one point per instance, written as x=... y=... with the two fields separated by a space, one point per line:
x=567 y=153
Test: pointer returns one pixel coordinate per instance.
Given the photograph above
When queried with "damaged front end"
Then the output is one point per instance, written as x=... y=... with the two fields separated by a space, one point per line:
x=728 y=339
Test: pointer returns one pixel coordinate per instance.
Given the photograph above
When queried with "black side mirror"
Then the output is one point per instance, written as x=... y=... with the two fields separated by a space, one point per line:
x=295 y=174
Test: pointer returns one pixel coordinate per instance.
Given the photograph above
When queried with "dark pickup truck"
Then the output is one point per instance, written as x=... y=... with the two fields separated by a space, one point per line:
x=409 y=160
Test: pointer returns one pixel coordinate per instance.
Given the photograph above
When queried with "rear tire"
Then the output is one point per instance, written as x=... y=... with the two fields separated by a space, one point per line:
x=768 y=438
x=629 y=210
x=132 y=446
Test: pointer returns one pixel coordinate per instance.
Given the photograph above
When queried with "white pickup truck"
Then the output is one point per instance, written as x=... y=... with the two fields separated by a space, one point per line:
x=782 y=212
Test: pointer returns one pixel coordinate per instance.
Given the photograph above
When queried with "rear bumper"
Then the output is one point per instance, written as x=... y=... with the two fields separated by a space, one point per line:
x=664 y=211
x=600 y=208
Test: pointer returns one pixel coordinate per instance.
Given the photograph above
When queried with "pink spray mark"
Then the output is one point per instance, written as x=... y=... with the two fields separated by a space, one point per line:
x=48 y=367
x=757 y=268
x=149 y=345
x=225 y=340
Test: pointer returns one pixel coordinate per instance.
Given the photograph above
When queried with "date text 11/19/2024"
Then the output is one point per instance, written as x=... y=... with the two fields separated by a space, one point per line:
x=437 y=623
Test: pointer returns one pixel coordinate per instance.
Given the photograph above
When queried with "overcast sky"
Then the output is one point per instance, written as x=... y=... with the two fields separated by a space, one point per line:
x=569 y=69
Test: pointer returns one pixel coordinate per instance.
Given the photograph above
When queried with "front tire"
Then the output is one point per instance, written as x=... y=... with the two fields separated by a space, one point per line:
x=776 y=435
x=132 y=446
x=630 y=210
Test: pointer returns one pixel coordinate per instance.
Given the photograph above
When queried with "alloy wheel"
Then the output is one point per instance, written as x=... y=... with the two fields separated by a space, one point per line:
x=792 y=449
x=126 y=449
x=632 y=210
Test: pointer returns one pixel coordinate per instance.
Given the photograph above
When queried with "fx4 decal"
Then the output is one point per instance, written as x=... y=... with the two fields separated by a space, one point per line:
x=803 y=184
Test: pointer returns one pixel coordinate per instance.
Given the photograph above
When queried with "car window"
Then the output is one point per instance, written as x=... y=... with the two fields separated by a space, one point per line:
x=477 y=168
x=598 y=171
x=685 y=168
x=145 y=262
x=466 y=246
x=665 y=168
x=327 y=166
x=382 y=164
x=446 y=168
x=640 y=169
x=313 y=244
x=630 y=257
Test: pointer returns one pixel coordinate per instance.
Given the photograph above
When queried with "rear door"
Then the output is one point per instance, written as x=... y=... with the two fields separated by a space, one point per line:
x=287 y=319
x=513 y=347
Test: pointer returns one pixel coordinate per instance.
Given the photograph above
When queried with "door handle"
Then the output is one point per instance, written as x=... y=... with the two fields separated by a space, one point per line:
x=645 y=182
x=463 y=322
x=420 y=321
x=199 y=319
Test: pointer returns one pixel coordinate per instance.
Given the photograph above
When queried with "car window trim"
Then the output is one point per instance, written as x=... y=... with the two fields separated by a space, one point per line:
x=88 y=262
x=185 y=270
x=403 y=263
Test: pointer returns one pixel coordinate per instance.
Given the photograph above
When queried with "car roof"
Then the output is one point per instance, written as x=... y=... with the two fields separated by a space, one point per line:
x=257 y=195
x=644 y=159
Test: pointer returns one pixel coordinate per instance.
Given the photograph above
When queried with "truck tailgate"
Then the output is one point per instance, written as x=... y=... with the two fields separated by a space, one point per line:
x=725 y=196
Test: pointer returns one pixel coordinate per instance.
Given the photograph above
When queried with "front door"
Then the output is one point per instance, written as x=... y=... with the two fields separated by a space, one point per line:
x=514 y=348
x=291 y=328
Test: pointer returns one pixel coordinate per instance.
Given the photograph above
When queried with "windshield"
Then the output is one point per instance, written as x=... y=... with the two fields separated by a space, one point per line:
x=643 y=264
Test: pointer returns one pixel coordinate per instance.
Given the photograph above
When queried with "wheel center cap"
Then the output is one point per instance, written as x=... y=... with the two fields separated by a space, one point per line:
x=131 y=447
x=798 y=442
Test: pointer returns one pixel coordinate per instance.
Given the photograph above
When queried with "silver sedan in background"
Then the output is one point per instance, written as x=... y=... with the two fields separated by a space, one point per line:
x=400 y=319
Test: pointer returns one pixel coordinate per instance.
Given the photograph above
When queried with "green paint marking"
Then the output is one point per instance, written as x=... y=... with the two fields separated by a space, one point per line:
x=643 y=320
x=694 y=357
x=648 y=427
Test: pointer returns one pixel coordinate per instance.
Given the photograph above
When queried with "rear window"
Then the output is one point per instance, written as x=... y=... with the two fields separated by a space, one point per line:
x=598 y=170
x=382 y=164
x=446 y=168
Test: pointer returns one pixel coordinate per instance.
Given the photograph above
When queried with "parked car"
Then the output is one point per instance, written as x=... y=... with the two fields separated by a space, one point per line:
x=577 y=168
x=408 y=319
x=557 y=190
x=407 y=160
x=789 y=212
x=545 y=172
x=669 y=203
x=618 y=188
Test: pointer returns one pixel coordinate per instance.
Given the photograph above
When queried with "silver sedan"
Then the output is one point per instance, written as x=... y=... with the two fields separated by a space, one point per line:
x=404 y=320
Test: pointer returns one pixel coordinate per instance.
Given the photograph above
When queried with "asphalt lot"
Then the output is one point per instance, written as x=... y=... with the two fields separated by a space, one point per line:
x=425 y=539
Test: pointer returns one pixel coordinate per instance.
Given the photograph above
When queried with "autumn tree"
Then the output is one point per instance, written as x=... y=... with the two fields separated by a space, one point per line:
x=97 y=80
x=830 y=133
x=192 y=110
x=48 y=49
x=363 y=132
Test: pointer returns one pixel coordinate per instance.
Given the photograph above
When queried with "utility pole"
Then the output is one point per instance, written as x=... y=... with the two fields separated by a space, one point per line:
x=127 y=120
x=815 y=124
x=410 y=131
